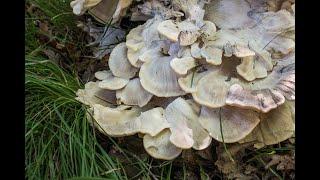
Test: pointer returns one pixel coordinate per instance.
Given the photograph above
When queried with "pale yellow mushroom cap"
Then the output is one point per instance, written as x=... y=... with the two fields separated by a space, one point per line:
x=228 y=14
x=126 y=120
x=134 y=94
x=160 y=146
x=119 y=121
x=158 y=78
x=275 y=126
x=265 y=94
x=208 y=30
x=119 y=63
x=92 y=94
x=188 y=33
x=212 y=90
x=184 y=125
x=195 y=50
x=182 y=65
x=236 y=123
x=108 y=81
x=190 y=82
x=169 y=30
x=212 y=55
x=251 y=69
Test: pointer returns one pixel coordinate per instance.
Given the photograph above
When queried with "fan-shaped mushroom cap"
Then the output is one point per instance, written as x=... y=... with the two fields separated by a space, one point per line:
x=277 y=22
x=250 y=69
x=81 y=6
x=212 y=55
x=141 y=39
x=124 y=120
x=158 y=78
x=133 y=57
x=189 y=83
x=229 y=14
x=169 y=30
x=195 y=50
x=275 y=126
x=184 y=125
x=266 y=94
x=119 y=64
x=119 y=121
x=92 y=94
x=236 y=123
x=262 y=100
x=134 y=94
x=152 y=122
x=208 y=30
x=182 y=65
x=108 y=81
x=134 y=39
x=212 y=90
x=189 y=33
x=149 y=55
x=160 y=146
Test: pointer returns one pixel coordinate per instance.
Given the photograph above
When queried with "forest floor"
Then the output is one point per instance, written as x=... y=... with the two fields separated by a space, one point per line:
x=61 y=144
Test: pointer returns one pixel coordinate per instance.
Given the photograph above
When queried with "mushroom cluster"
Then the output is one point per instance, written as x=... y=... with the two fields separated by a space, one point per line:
x=197 y=71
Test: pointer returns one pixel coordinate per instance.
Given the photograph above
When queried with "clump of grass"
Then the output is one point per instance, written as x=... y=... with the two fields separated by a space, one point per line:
x=59 y=140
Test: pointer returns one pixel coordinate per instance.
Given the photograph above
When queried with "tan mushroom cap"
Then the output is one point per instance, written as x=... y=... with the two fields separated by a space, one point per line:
x=266 y=94
x=262 y=100
x=190 y=82
x=212 y=55
x=228 y=14
x=92 y=94
x=110 y=82
x=99 y=13
x=184 y=125
x=160 y=146
x=140 y=40
x=188 y=37
x=182 y=65
x=152 y=122
x=236 y=123
x=158 y=78
x=119 y=64
x=277 y=22
x=242 y=51
x=208 y=30
x=169 y=30
x=251 y=69
x=126 y=120
x=81 y=6
x=133 y=57
x=283 y=45
x=117 y=122
x=212 y=90
x=188 y=34
x=149 y=55
x=275 y=126
x=195 y=50
x=134 y=94
x=134 y=39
